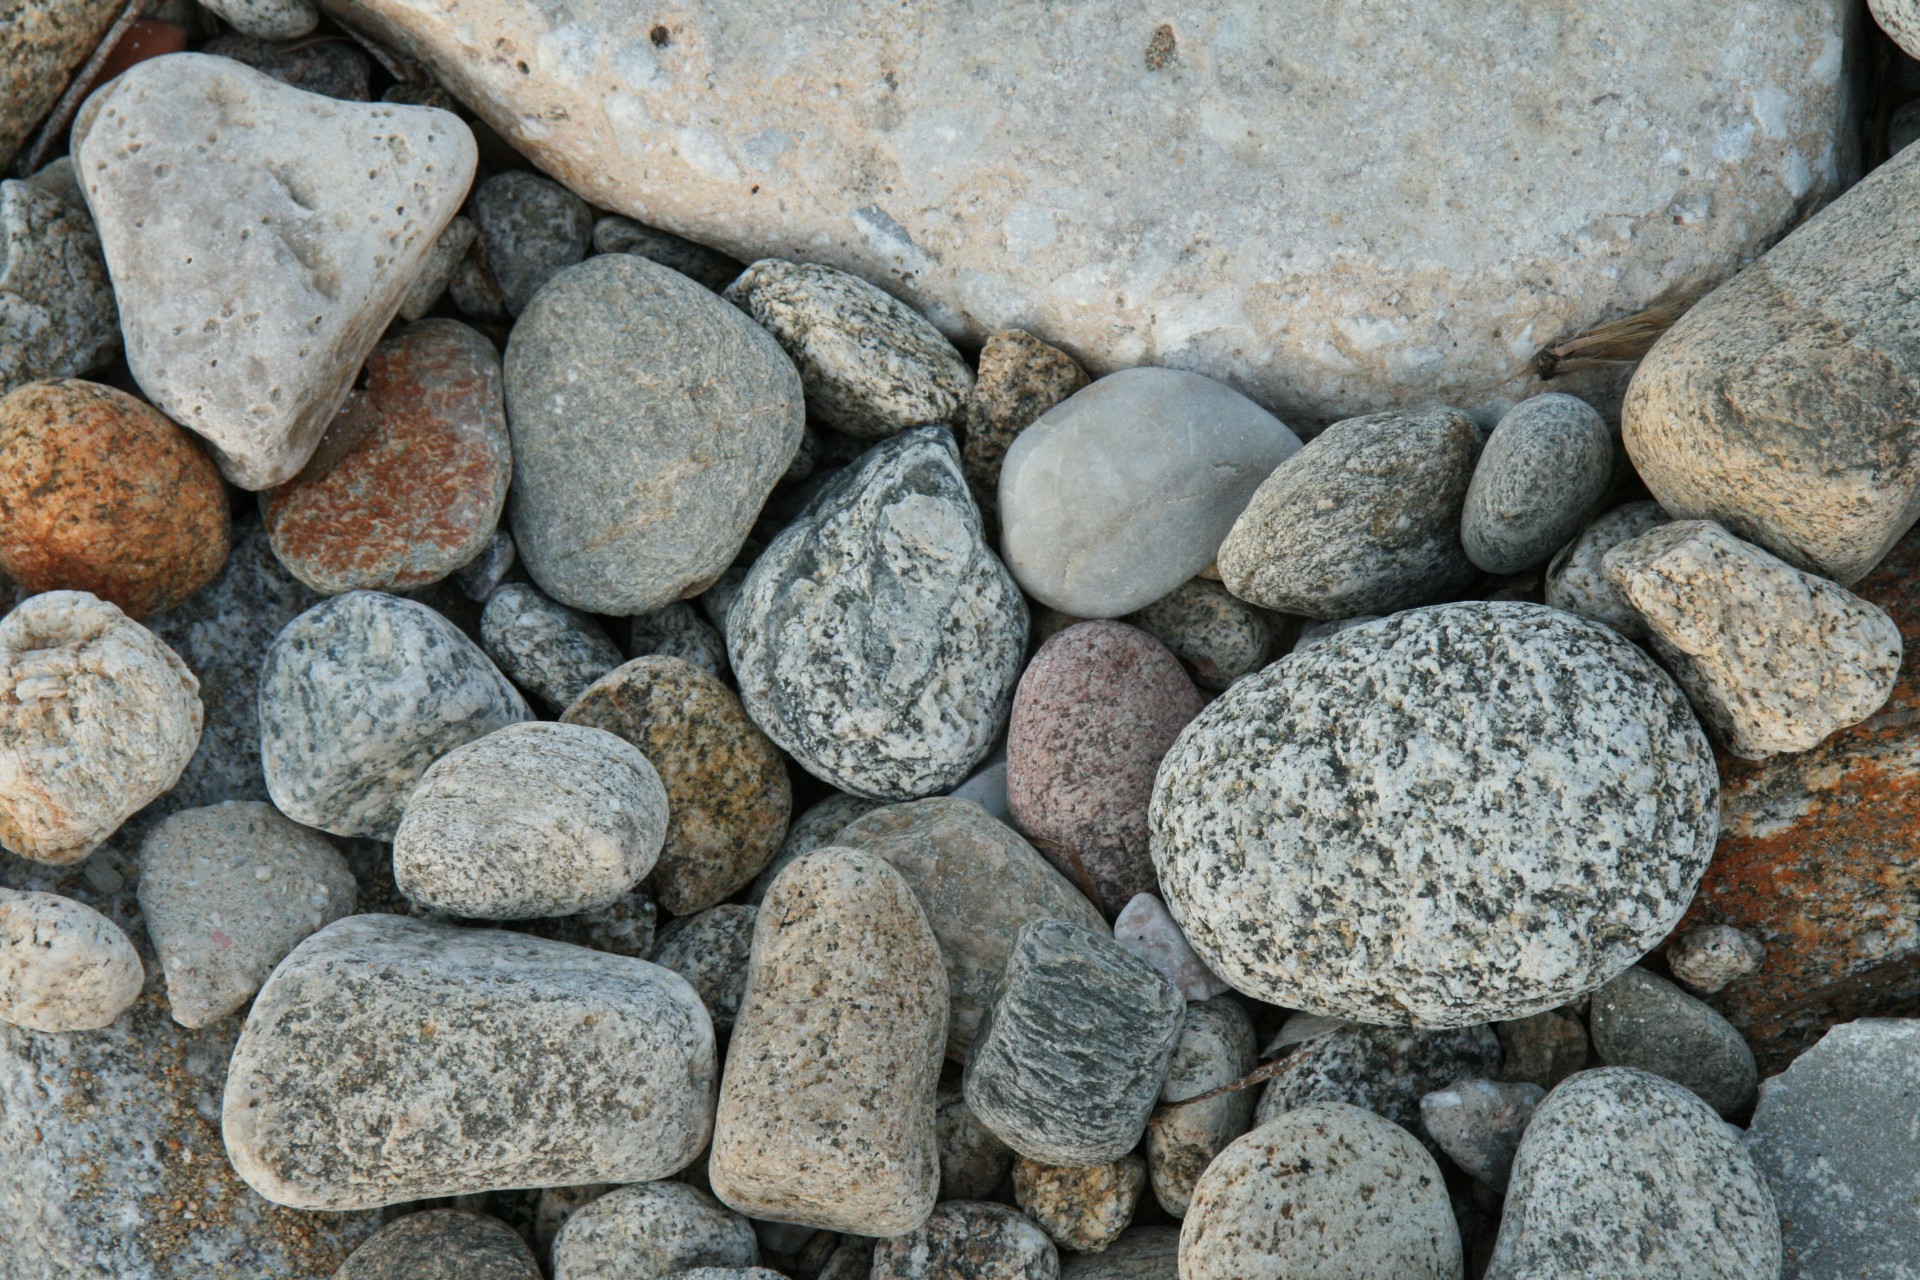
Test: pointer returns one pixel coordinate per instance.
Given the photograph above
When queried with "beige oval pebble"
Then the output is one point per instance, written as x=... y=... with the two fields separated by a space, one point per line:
x=63 y=965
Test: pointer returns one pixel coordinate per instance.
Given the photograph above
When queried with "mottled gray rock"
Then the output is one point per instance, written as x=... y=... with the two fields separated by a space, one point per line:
x=1577 y=576
x=676 y=631
x=1364 y=519
x=969 y=1240
x=1144 y=1253
x=1710 y=956
x=1082 y=1208
x=549 y=650
x=1642 y=1020
x=877 y=639
x=1371 y=831
x=331 y=68
x=63 y=965
x=710 y=951
x=481 y=576
x=1384 y=1069
x=1146 y=928
x=972 y=1159
x=1314 y=634
x=650 y=421
x=450 y=248
x=474 y=290
x=1216 y=1048
x=852 y=1259
x=1219 y=636
x=624 y=927
x=1125 y=490
x=726 y=1273
x=1543 y=1049
x=1478 y=1124
x=532 y=229
x=57 y=316
x=443 y=1244
x=267 y=19
x=1626 y=1175
x=651 y=1230
x=1019 y=379
x=1546 y=466
x=819 y=826
x=707 y=267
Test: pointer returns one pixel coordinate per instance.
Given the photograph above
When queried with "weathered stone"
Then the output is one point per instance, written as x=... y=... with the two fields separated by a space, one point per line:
x=818 y=827
x=1216 y=1048
x=63 y=965
x=1478 y=1124
x=710 y=951
x=57 y=315
x=443 y=1244
x=1373 y=831
x=549 y=650
x=1543 y=1049
x=969 y=1240
x=1019 y=379
x=1384 y=1069
x=1084 y=1209
x=650 y=1230
x=707 y=267
x=625 y=928
x=267 y=19
x=330 y=68
x=1219 y=636
x=1711 y=956
x=852 y=1259
x=726 y=1273
x=42 y=42
x=1577 y=577
x=676 y=631
x=1900 y=19
x=1642 y=1020
x=436 y=273
x=533 y=229
x=481 y=576
x=1545 y=468
x=1144 y=1253
x=972 y=1159
x=474 y=291
x=1146 y=928
x=1314 y=634
x=557 y=1205
x=987 y=787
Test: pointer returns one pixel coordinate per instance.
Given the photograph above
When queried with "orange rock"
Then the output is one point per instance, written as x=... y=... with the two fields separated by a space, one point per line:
x=100 y=492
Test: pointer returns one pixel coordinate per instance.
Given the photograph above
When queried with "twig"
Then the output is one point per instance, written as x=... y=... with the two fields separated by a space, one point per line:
x=1615 y=342
x=1265 y=1071
x=68 y=104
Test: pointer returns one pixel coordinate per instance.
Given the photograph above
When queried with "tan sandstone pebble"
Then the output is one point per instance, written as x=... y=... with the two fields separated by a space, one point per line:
x=442 y=1244
x=1216 y=1048
x=1084 y=1209
x=63 y=965
x=651 y=1229
x=1019 y=378
x=971 y=1239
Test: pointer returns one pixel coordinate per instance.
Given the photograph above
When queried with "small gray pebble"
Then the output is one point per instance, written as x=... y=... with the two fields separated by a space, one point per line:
x=677 y=631
x=717 y=599
x=1478 y=1124
x=1218 y=636
x=709 y=949
x=549 y=650
x=533 y=229
x=437 y=272
x=1710 y=956
x=1545 y=468
x=1642 y=1020
x=707 y=267
x=1142 y=1253
x=266 y=19
x=1384 y=1069
x=57 y=314
x=651 y=1229
x=972 y=1159
x=473 y=289
x=442 y=1244
x=481 y=576
x=331 y=68
x=1216 y=1048
x=969 y=1240
x=1577 y=577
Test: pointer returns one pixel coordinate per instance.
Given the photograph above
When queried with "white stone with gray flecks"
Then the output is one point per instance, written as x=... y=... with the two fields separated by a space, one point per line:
x=551 y=651
x=1577 y=575
x=63 y=965
x=1216 y=1048
x=651 y=1229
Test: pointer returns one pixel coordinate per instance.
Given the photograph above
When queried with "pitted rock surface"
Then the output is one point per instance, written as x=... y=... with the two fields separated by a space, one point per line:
x=57 y=315
x=969 y=1240
x=652 y=1229
x=1577 y=575
x=1216 y=1048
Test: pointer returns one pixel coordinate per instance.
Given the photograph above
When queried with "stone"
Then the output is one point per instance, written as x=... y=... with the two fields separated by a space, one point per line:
x=727 y=792
x=1216 y=1048
x=1577 y=578
x=409 y=481
x=1387 y=1070
x=1546 y=468
x=1364 y=519
x=1642 y=1020
x=1146 y=928
x=1094 y=712
x=473 y=289
x=1627 y=1175
x=1314 y=634
x=1478 y=1124
x=852 y=1259
x=358 y=696
x=1900 y=19
x=481 y=576
x=816 y=828
x=709 y=268
x=226 y=891
x=650 y=421
x=557 y=1205
x=443 y=1244
x=625 y=928
x=676 y=631
x=532 y=229
x=330 y=68
x=1773 y=659
x=549 y=650
x=63 y=965
x=436 y=273
x=97 y=718
x=100 y=493
x=1217 y=635
x=710 y=951
x=57 y=314
x=987 y=787
x=1543 y=1048
x=1711 y=956
x=252 y=279
x=969 y=1240
x=533 y=820
x=1126 y=489
x=267 y=19
x=726 y=1273
x=1531 y=817
x=972 y=1159
x=871 y=365
x=650 y=1230
x=1326 y=1190
x=877 y=639
x=1083 y=1209
x=42 y=44
x=1143 y=1253
x=1019 y=379
x=979 y=884
x=380 y=1017
x=1070 y=1056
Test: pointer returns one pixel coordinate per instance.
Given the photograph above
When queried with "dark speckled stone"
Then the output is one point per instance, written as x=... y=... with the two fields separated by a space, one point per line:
x=1144 y=1253
x=704 y=266
x=969 y=1240
x=533 y=229
x=1218 y=635
x=709 y=949
x=1384 y=1069
x=1020 y=378
x=1642 y=1020
x=443 y=1244
x=1544 y=470
x=549 y=650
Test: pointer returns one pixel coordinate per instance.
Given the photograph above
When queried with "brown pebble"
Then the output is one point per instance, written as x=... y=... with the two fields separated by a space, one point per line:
x=1020 y=378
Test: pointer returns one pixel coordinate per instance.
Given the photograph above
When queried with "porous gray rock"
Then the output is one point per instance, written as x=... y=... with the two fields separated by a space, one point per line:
x=1577 y=577
x=969 y=1238
x=1478 y=1123
x=1710 y=956
x=1219 y=636
x=1216 y=1048
x=1533 y=816
x=707 y=267
x=443 y=1244
x=1082 y=1208
x=877 y=639
x=650 y=421
x=650 y=1230
x=1546 y=466
x=677 y=631
x=817 y=827
x=436 y=272
x=1144 y=1253
x=63 y=965
x=1642 y=1020
x=1384 y=1069
x=551 y=651
x=533 y=229
x=710 y=951
x=1146 y=928
x=972 y=1159
x=57 y=315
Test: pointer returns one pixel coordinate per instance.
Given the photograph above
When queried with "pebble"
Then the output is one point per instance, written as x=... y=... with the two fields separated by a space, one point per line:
x=677 y=631
x=1577 y=577
x=1144 y=1253
x=1773 y=659
x=1478 y=1124
x=1365 y=519
x=1709 y=957
x=726 y=1273
x=728 y=798
x=100 y=493
x=358 y=696
x=1126 y=489
x=40 y=47
x=1900 y=19
x=481 y=576
x=551 y=651
x=1019 y=379
x=97 y=718
x=1147 y=929
x=557 y=1205
x=877 y=639
x=1084 y=1209
x=63 y=965
x=710 y=950
x=1327 y=1190
x=650 y=421
x=826 y=1107
x=852 y=1259
x=1543 y=1049
x=1095 y=711
x=1627 y=1175
x=969 y=1240
x=1387 y=1070
x=450 y=248
x=987 y=787
x=649 y=1230
x=1286 y=815
x=442 y=1244
x=625 y=928
x=330 y=68
x=473 y=289
x=817 y=827
x=252 y=280
x=58 y=176
x=1216 y=1048
x=378 y=1017
x=706 y=267
x=267 y=19
x=57 y=315
x=972 y=1159
x=1219 y=636
x=1069 y=1059
x=410 y=479
x=533 y=229
x=1546 y=468
x=1642 y=1020
x=533 y=820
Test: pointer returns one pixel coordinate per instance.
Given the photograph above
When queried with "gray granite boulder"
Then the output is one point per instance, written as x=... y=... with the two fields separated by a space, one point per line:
x=1216 y=1048
x=971 y=1239
x=1218 y=635
x=1577 y=575
x=63 y=965
x=1384 y=1069
x=57 y=316
x=710 y=950
x=1642 y=1020
x=443 y=1244
x=1546 y=466
x=651 y=1229
x=1478 y=1123
x=549 y=650
x=533 y=229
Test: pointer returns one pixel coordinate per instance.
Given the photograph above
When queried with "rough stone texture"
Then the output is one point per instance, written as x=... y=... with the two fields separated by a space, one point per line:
x=1125 y=490
x=1146 y=928
x=1709 y=957
x=331 y=68
x=358 y=696
x=1577 y=577
x=443 y=1244
x=979 y=884
x=253 y=277
x=819 y=826
x=42 y=42
x=436 y=273
x=676 y=631
x=63 y=965
x=1019 y=378
x=474 y=291
x=551 y=651
x=987 y=787
x=1071 y=1054
x=533 y=229
x=1478 y=1124
x=1626 y=1175
x=727 y=792
x=826 y=1108
x=1542 y=1049
x=370 y=1068
x=267 y=19
x=650 y=421
x=1364 y=519
x=1328 y=1190
x=1083 y=1209
x=1216 y=1048
x=710 y=951
x=409 y=481
x=726 y=1273
x=626 y=928
x=99 y=493
x=871 y=365
x=1900 y=19
x=1384 y=1069
x=1773 y=659
x=97 y=717
x=653 y=1229
x=707 y=267
x=557 y=1205
x=481 y=576
x=1144 y=1253
x=877 y=639
x=1219 y=636
x=972 y=1159
x=226 y=892
x=57 y=315
x=1546 y=466
x=969 y=1240
x=1454 y=815
x=1642 y=1020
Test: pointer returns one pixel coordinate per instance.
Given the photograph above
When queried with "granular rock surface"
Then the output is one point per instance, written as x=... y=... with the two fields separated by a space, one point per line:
x=1084 y=1208
x=710 y=950
x=969 y=1240
x=1218 y=635
x=1216 y=1048
x=443 y=1244
x=1642 y=1020
x=57 y=315
x=533 y=229
x=1020 y=377
x=63 y=965
x=551 y=651
x=1546 y=465
x=651 y=1229
x=1577 y=576
x=1384 y=1069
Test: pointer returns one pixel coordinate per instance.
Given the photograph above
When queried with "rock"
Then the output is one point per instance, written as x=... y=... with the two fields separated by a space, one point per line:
x=267 y=19
x=709 y=268
x=710 y=951
x=1545 y=469
x=99 y=493
x=226 y=892
x=1083 y=1209
x=378 y=1017
x=1216 y=1048
x=330 y=68
x=987 y=787
x=726 y=1273
x=57 y=315
x=625 y=928
x=852 y=1259
x=1125 y=490
x=63 y=965
x=1146 y=928
x=58 y=177
x=481 y=576
x=1577 y=578
x=557 y=1205
x=1557 y=792
x=1900 y=19
x=252 y=280
x=474 y=291
x=443 y=1244
x=1144 y=1253
x=1626 y=1175
x=979 y=884
x=727 y=792
x=1773 y=659
x=1642 y=1020
x=532 y=229
x=1314 y=634
x=1070 y=1056
x=1218 y=636
x=358 y=696
x=410 y=479
x=819 y=826
x=436 y=273
x=1542 y=1049
x=877 y=639
x=1387 y=1070
x=676 y=631
x=1325 y=1190
x=649 y=1230
x=1364 y=519
x=1711 y=956
x=97 y=717
x=548 y=649
x=871 y=365
x=972 y=1160
x=1478 y=1124
x=971 y=1239
x=1019 y=379
x=41 y=45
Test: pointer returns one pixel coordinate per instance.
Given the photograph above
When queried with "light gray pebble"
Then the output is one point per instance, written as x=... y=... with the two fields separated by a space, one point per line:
x=1219 y=636
x=549 y=650
x=710 y=951
x=707 y=267
x=63 y=180
x=437 y=272
x=1577 y=577
x=57 y=316
x=556 y=1206
x=1710 y=956
x=442 y=1244
x=972 y=1159
x=1478 y=1124
x=1315 y=634
x=533 y=229
x=1143 y=1253
x=987 y=787
x=1216 y=1048
x=717 y=599
x=677 y=631
x=1384 y=1069
x=1146 y=928
x=1642 y=1020
x=63 y=965
x=650 y=1230
x=481 y=576
x=267 y=19
x=1545 y=468
x=969 y=1239
x=817 y=827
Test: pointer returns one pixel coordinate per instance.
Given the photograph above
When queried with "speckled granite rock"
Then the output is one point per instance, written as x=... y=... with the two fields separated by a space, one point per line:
x=443 y=1244
x=557 y=1205
x=677 y=631
x=1546 y=466
x=877 y=639
x=707 y=267
x=1146 y=928
x=1478 y=1124
x=1543 y=1049
x=1314 y=634
x=57 y=315
x=1144 y=1253
x=710 y=951
x=817 y=827
x=1019 y=378
x=1707 y=958
x=533 y=229
x=267 y=19
x=1577 y=576
x=549 y=650
x=1384 y=1069
x=1219 y=636
x=1642 y=1020
x=41 y=44
x=1216 y=1048
x=725 y=1273
x=969 y=1240
x=972 y=1159
x=1546 y=762
x=1083 y=1209
x=1900 y=19
x=625 y=928
x=652 y=1229
x=63 y=965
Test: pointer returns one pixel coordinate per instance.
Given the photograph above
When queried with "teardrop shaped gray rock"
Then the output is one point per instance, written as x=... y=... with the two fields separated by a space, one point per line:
x=1546 y=465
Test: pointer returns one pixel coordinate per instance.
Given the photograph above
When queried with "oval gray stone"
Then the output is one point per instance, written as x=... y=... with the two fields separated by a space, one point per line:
x=1478 y=1123
x=652 y=1229
x=971 y=1239
x=710 y=950
x=1219 y=636
x=1216 y=1048
x=57 y=317
x=63 y=965
x=551 y=651
x=1577 y=576
x=1642 y=1020
x=533 y=229
x=442 y=1244
x=1546 y=465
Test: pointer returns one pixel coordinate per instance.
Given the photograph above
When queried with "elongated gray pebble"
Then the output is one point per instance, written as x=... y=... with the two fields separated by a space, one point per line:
x=1642 y=1020
x=649 y=1230
x=63 y=965
x=551 y=651
x=1478 y=1123
x=1216 y=1048
x=1546 y=465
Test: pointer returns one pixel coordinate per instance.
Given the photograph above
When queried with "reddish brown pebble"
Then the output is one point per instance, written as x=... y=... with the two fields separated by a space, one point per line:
x=407 y=484
x=1097 y=708
x=100 y=492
